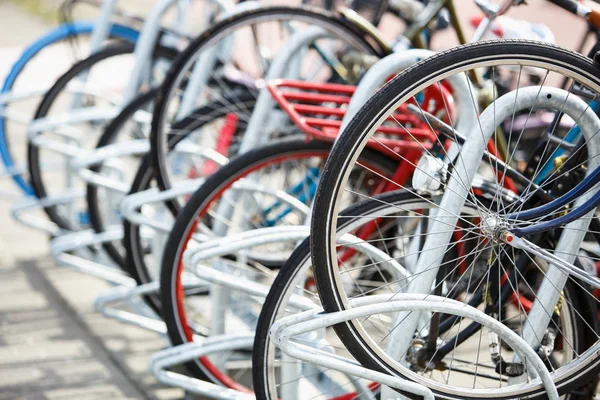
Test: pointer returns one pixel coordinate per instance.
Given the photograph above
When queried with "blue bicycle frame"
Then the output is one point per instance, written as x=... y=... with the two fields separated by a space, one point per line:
x=305 y=190
x=547 y=209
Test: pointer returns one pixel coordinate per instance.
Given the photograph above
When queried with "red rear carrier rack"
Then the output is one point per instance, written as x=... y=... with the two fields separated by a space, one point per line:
x=318 y=108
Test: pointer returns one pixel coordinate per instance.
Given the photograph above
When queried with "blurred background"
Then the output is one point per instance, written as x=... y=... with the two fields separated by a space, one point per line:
x=52 y=344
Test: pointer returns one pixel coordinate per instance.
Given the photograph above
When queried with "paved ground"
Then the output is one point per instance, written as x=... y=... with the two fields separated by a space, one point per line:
x=52 y=344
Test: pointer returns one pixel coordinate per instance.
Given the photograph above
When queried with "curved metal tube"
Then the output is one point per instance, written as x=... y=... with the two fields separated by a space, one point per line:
x=456 y=192
x=285 y=329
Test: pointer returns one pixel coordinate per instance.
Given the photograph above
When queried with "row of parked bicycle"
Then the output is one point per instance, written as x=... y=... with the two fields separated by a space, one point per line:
x=306 y=210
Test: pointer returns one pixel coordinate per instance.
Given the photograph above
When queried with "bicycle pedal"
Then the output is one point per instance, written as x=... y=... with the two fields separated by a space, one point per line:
x=510 y=369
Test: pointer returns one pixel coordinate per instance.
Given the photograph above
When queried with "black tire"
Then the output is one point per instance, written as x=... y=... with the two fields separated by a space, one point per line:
x=184 y=127
x=268 y=315
x=93 y=203
x=358 y=131
x=33 y=153
x=20 y=179
x=132 y=241
x=202 y=198
x=285 y=284
x=316 y=16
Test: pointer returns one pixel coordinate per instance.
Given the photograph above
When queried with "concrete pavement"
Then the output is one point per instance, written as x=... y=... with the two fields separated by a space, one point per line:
x=52 y=343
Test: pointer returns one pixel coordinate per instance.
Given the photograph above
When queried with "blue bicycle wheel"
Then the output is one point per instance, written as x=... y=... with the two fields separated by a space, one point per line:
x=62 y=32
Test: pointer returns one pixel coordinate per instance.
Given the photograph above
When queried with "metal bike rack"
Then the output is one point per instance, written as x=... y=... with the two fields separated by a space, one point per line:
x=72 y=249
x=106 y=302
x=62 y=246
x=79 y=162
x=452 y=201
x=81 y=165
x=211 y=248
x=199 y=274
x=284 y=330
x=20 y=212
x=161 y=361
x=164 y=359
x=22 y=118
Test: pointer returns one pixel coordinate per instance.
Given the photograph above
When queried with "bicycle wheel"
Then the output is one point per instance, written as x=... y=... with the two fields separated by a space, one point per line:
x=387 y=222
x=246 y=194
x=52 y=45
x=262 y=33
x=103 y=204
x=143 y=248
x=43 y=164
x=133 y=122
x=509 y=181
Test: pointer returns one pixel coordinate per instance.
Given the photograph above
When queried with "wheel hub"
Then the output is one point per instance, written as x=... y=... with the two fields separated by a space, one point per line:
x=495 y=229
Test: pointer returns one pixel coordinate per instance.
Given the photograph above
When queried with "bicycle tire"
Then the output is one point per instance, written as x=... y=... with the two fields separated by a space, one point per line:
x=33 y=152
x=285 y=285
x=316 y=16
x=356 y=134
x=198 y=203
